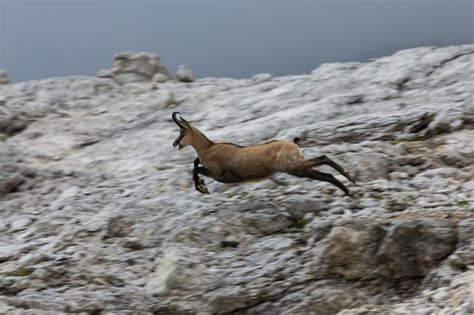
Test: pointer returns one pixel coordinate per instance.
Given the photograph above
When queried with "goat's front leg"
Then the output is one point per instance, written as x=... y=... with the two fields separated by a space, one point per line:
x=199 y=183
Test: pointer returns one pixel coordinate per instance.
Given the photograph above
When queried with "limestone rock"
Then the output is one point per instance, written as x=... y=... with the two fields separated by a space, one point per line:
x=262 y=77
x=132 y=67
x=412 y=248
x=98 y=213
x=184 y=74
x=406 y=249
x=4 y=77
x=11 y=124
x=160 y=78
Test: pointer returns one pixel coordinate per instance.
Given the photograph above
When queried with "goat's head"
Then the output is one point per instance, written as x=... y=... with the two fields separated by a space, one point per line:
x=185 y=132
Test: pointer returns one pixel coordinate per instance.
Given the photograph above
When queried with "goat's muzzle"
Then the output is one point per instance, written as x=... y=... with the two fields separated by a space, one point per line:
x=177 y=143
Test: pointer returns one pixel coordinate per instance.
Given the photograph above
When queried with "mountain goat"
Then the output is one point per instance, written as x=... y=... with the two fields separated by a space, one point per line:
x=232 y=163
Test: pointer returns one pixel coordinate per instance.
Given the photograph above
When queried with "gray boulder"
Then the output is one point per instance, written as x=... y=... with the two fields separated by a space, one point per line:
x=131 y=67
x=4 y=77
x=184 y=74
x=404 y=249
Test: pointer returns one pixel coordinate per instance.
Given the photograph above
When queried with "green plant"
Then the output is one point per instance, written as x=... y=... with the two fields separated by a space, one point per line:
x=395 y=141
x=463 y=203
x=375 y=196
x=21 y=272
x=298 y=222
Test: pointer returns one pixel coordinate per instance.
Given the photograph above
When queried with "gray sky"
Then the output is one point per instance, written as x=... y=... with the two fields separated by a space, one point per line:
x=44 y=38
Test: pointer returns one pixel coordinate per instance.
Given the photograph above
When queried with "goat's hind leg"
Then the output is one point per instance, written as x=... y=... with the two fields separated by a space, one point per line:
x=326 y=177
x=324 y=159
x=199 y=183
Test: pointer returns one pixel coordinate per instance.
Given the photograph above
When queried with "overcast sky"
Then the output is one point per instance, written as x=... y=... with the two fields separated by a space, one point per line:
x=231 y=38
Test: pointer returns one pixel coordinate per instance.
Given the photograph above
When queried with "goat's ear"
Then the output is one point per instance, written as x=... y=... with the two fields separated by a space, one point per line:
x=184 y=122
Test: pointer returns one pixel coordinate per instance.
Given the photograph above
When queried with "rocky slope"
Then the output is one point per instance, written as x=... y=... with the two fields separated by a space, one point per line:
x=99 y=214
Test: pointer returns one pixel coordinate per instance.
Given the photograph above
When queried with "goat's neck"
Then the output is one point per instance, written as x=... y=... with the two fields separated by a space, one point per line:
x=200 y=142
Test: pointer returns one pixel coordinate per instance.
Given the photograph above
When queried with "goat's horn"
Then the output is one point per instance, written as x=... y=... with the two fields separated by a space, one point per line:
x=176 y=121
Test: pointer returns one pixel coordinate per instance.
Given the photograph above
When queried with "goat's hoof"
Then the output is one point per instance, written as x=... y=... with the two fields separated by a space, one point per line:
x=200 y=186
x=202 y=189
x=351 y=179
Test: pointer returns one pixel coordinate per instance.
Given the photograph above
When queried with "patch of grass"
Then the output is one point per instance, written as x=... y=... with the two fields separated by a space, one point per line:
x=231 y=244
x=395 y=141
x=162 y=167
x=463 y=203
x=22 y=272
x=244 y=193
x=298 y=223
x=412 y=198
x=375 y=196
x=414 y=137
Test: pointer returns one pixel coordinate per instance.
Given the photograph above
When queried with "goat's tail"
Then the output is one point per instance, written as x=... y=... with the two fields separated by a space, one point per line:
x=296 y=140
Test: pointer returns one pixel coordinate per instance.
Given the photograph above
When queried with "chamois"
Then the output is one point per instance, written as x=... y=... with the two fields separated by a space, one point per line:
x=232 y=163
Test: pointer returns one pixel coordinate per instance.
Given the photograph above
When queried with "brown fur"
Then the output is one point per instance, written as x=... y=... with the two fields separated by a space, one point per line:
x=230 y=163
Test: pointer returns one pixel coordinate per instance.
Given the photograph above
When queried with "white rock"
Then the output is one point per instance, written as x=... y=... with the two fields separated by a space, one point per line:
x=7 y=252
x=262 y=77
x=4 y=77
x=19 y=224
x=160 y=77
x=104 y=73
x=439 y=296
x=69 y=192
x=468 y=186
x=184 y=74
x=117 y=226
x=131 y=67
